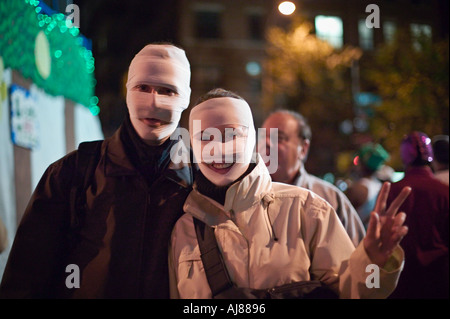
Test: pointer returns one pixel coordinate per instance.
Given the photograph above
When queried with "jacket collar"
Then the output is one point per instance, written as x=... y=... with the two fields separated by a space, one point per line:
x=118 y=164
x=240 y=197
x=246 y=193
x=302 y=180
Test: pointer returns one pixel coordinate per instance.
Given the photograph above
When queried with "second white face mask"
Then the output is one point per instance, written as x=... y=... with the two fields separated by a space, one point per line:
x=222 y=112
x=228 y=146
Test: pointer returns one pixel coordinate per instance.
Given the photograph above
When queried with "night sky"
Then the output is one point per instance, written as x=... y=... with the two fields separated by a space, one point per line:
x=118 y=30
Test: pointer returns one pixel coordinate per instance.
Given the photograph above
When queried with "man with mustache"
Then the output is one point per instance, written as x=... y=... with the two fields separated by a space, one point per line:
x=133 y=200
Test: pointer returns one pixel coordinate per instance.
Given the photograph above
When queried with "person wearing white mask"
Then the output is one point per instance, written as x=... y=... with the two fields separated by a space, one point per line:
x=131 y=203
x=269 y=233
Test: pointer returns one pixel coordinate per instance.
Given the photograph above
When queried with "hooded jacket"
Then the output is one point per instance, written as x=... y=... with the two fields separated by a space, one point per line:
x=122 y=251
x=272 y=234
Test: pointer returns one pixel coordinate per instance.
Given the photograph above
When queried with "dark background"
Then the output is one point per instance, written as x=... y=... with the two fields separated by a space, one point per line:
x=118 y=30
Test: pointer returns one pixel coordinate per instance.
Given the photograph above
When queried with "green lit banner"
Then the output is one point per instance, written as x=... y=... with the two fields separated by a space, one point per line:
x=48 y=50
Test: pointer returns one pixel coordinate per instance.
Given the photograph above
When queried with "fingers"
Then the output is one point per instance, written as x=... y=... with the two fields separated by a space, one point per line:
x=399 y=220
x=372 y=228
x=382 y=197
x=395 y=234
x=395 y=239
x=395 y=228
x=400 y=234
x=383 y=237
x=398 y=201
x=371 y=238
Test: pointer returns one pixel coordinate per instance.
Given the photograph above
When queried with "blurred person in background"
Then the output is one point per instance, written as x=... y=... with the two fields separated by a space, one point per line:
x=363 y=192
x=440 y=160
x=294 y=140
x=427 y=208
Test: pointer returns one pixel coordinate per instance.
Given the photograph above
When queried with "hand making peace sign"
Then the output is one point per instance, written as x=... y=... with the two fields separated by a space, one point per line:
x=385 y=229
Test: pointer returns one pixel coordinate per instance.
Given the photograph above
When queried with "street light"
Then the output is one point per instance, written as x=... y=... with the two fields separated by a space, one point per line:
x=286 y=8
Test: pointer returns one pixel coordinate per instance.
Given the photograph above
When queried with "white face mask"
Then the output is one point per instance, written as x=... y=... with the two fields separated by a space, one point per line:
x=149 y=105
x=160 y=66
x=230 y=122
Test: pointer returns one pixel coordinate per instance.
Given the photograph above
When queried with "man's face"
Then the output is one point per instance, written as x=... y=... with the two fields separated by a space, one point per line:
x=158 y=90
x=291 y=149
x=153 y=123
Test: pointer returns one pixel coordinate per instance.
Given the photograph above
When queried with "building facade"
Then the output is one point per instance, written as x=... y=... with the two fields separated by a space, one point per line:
x=225 y=39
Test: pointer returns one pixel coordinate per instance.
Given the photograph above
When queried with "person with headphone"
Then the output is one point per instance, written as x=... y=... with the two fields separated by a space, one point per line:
x=427 y=208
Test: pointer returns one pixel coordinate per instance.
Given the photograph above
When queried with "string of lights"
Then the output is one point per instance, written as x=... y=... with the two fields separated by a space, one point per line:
x=49 y=50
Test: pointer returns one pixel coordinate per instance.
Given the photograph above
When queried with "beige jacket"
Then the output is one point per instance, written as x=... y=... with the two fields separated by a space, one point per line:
x=312 y=243
x=341 y=204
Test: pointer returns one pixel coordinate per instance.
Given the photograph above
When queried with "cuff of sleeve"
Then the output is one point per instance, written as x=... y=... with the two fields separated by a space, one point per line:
x=395 y=262
x=388 y=275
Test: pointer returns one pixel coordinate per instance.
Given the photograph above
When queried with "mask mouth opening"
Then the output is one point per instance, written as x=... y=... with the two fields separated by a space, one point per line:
x=153 y=121
x=221 y=168
x=222 y=160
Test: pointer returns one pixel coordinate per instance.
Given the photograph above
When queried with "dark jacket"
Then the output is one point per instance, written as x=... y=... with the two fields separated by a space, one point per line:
x=425 y=274
x=123 y=246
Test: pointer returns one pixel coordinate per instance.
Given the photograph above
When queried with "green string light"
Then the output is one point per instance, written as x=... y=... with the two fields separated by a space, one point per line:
x=72 y=65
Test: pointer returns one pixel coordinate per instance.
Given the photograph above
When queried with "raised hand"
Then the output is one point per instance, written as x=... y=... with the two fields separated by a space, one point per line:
x=385 y=229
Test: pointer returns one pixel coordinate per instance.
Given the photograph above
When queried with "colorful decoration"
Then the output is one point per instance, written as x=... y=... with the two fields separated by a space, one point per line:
x=24 y=125
x=48 y=50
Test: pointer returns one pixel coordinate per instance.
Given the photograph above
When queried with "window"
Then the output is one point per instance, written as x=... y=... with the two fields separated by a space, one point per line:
x=365 y=36
x=208 y=77
x=418 y=30
x=419 y=33
x=256 y=26
x=330 y=29
x=208 y=24
x=389 y=30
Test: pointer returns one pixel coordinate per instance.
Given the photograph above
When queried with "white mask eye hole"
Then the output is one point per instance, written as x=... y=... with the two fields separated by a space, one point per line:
x=211 y=134
x=229 y=135
x=142 y=88
x=160 y=90
x=206 y=136
x=165 y=91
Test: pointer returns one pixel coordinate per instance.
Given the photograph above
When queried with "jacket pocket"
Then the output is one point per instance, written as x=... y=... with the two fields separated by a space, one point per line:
x=188 y=264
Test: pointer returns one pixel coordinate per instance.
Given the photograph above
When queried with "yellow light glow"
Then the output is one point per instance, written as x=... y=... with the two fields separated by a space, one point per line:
x=42 y=55
x=286 y=8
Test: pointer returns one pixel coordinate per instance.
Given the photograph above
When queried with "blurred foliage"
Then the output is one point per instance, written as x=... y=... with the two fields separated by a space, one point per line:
x=70 y=61
x=308 y=75
x=411 y=76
